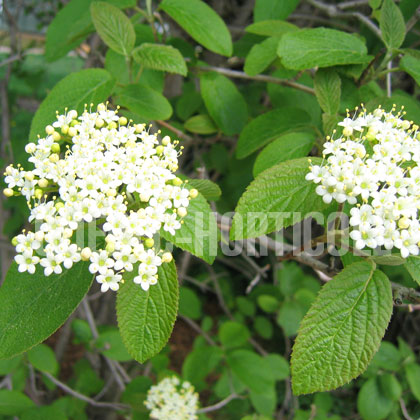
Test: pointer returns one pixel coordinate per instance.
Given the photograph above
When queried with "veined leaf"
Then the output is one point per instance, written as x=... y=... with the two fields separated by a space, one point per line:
x=224 y=102
x=392 y=25
x=342 y=330
x=146 y=318
x=261 y=56
x=74 y=91
x=198 y=233
x=33 y=306
x=412 y=66
x=145 y=102
x=327 y=86
x=209 y=190
x=273 y=9
x=277 y=198
x=268 y=127
x=413 y=267
x=320 y=47
x=201 y=22
x=200 y=124
x=160 y=57
x=113 y=26
x=288 y=146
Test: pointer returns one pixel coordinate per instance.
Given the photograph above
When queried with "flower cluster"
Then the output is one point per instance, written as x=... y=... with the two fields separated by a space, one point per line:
x=99 y=168
x=171 y=399
x=374 y=166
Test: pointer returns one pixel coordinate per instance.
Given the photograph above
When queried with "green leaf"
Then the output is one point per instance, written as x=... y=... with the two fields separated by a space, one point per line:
x=110 y=344
x=390 y=386
x=281 y=190
x=392 y=25
x=371 y=402
x=263 y=327
x=268 y=127
x=233 y=334
x=412 y=66
x=160 y=57
x=261 y=56
x=327 y=86
x=268 y=303
x=68 y=29
x=33 y=306
x=201 y=22
x=209 y=190
x=225 y=104
x=43 y=358
x=412 y=372
x=289 y=317
x=253 y=370
x=73 y=92
x=200 y=362
x=113 y=26
x=264 y=403
x=201 y=124
x=144 y=101
x=287 y=146
x=44 y=412
x=391 y=259
x=273 y=9
x=343 y=329
x=271 y=28
x=13 y=403
x=413 y=267
x=146 y=318
x=189 y=303
x=388 y=357
x=279 y=366
x=198 y=233
x=320 y=47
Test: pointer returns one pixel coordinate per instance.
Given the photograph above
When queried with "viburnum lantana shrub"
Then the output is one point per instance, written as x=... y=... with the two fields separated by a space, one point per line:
x=112 y=173
x=371 y=170
x=101 y=190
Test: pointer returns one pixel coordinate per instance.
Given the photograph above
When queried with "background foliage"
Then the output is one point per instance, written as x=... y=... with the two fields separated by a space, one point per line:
x=245 y=86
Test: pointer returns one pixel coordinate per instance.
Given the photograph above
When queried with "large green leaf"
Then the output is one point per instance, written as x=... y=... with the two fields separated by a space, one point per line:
x=413 y=267
x=201 y=22
x=33 y=306
x=320 y=47
x=145 y=102
x=73 y=92
x=392 y=25
x=198 y=232
x=113 y=26
x=277 y=198
x=225 y=104
x=286 y=147
x=268 y=127
x=412 y=66
x=261 y=56
x=160 y=57
x=327 y=86
x=273 y=9
x=71 y=25
x=146 y=318
x=342 y=330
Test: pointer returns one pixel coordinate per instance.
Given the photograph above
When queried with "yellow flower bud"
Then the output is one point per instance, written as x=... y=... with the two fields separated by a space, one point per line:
x=166 y=140
x=65 y=129
x=167 y=257
x=14 y=241
x=56 y=136
x=182 y=212
x=99 y=123
x=43 y=183
x=177 y=182
x=159 y=150
x=29 y=176
x=149 y=242
x=39 y=236
x=49 y=129
x=85 y=254
x=54 y=158
x=38 y=193
x=101 y=107
x=8 y=192
x=110 y=247
x=55 y=148
x=112 y=125
x=193 y=193
x=72 y=132
x=122 y=121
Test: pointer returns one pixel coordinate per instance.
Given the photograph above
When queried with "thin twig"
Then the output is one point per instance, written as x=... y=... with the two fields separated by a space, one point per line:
x=259 y=78
x=178 y=133
x=79 y=396
x=219 y=405
x=388 y=79
x=197 y=328
x=404 y=410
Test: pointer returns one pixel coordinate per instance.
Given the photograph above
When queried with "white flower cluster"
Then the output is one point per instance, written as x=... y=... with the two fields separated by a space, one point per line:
x=99 y=168
x=171 y=399
x=374 y=165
